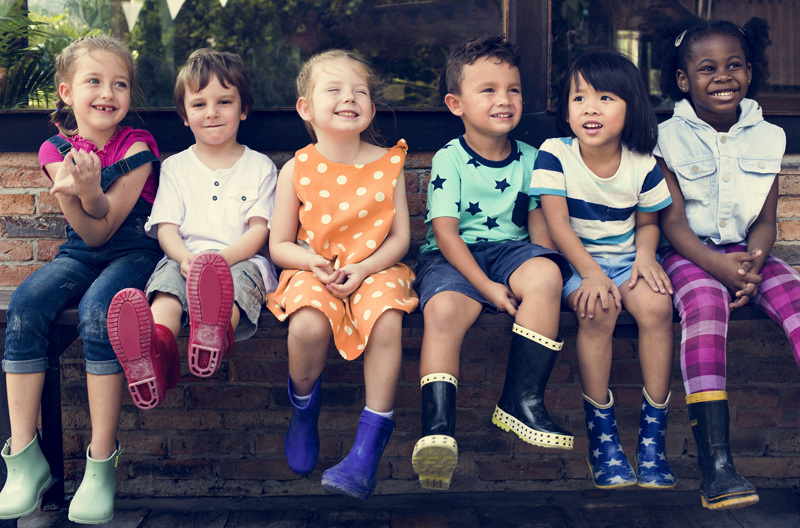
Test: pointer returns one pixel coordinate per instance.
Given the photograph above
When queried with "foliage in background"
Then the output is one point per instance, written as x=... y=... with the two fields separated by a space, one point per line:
x=29 y=44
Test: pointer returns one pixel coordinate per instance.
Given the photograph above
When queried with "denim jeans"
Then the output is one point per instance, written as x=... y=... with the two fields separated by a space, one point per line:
x=93 y=275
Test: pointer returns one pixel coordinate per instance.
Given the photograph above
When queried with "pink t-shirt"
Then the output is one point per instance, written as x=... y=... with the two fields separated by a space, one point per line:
x=112 y=152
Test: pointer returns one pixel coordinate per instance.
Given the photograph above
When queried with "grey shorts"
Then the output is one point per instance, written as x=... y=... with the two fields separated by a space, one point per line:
x=248 y=292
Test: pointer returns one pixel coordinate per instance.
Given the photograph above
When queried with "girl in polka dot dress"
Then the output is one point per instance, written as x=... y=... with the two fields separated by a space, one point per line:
x=339 y=229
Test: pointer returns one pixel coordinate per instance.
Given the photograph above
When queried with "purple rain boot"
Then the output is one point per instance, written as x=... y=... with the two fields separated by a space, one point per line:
x=302 y=438
x=355 y=476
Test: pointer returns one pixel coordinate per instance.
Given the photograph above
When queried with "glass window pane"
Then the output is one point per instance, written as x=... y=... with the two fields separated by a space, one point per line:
x=578 y=25
x=407 y=40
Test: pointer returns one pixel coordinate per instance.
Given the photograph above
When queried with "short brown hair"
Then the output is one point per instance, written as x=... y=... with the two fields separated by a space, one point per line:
x=205 y=63
x=479 y=48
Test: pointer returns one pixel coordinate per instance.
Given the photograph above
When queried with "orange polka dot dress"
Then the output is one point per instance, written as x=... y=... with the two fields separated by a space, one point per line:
x=345 y=213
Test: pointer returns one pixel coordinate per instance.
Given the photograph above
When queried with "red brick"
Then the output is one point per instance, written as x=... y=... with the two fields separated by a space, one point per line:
x=174 y=420
x=789 y=230
x=46 y=250
x=413 y=182
x=211 y=445
x=23 y=178
x=517 y=470
x=171 y=469
x=16 y=204
x=15 y=250
x=416 y=160
x=767 y=418
x=227 y=397
x=754 y=397
x=27 y=160
x=788 y=207
x=276 y=469
x=147 y=444
x=789 y=185
x=48 y=204
x=771 y=467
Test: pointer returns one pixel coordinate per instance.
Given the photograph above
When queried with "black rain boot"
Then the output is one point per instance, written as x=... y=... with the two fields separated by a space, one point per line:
x=721 y=486
x=436 y=453
x=521 y=407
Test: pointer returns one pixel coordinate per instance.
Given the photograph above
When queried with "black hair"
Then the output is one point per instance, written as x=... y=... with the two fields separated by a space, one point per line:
x=609 y=71
x=495 y=47
x=685 y=31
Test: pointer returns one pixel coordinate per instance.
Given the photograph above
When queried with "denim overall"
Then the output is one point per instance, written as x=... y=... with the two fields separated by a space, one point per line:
x=79 y=272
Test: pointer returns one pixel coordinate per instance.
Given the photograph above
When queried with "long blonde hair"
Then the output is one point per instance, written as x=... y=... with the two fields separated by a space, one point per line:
x=306 y=78
x=67 y=64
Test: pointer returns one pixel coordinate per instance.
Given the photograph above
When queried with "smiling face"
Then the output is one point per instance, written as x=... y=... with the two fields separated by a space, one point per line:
x=340 y=100
x=213 y=114
x=490 y=102
x=99 y=94
x=715 y=78
x=596 y=118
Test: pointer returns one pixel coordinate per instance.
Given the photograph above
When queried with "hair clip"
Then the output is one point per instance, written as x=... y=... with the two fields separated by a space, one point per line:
x=680 y=38
x=742 y=30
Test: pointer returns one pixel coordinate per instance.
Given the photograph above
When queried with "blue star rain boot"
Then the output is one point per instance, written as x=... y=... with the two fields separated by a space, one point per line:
x=607 y=463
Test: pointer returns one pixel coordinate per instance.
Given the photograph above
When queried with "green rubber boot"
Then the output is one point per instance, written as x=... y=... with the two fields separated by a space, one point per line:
x=93 y=503
x=28 y=477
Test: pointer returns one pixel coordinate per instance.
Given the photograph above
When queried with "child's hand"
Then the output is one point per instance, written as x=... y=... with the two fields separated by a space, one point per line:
x=592 y=288
x=322 y=269
x=744 y=296
x=651 y=271
x=734 y=270
x=186 y=263
x=79 y=175
x=349 y=279
x=502 y=297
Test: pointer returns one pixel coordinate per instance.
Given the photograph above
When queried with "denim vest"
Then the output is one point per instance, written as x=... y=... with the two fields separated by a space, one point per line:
x=724 y=176
x=130 y=235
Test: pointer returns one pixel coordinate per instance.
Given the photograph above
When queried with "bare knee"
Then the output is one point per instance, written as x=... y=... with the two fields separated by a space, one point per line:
x=308 y=327
x=449 y=313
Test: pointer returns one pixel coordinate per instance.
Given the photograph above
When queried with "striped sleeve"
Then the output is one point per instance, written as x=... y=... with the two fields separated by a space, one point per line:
x=654 y=194
x=548 y=173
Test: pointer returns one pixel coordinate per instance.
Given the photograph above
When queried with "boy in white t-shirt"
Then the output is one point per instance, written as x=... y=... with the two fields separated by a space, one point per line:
x=211 y=217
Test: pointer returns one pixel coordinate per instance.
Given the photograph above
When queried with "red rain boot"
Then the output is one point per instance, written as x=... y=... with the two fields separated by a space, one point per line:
x=146 y=351
x=209 y=293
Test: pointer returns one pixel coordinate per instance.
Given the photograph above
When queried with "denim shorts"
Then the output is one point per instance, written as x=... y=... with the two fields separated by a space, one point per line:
x=617 y=268
x=498 y=260
x=248 y=292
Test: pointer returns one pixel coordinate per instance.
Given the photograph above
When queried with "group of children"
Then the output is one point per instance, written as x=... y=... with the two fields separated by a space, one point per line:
x=511 y=229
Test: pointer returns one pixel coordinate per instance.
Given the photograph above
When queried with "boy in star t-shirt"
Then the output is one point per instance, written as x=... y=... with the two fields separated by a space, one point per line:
x=487 y=250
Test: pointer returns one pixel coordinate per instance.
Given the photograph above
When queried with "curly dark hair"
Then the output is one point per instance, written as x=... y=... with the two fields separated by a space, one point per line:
x=753 y=37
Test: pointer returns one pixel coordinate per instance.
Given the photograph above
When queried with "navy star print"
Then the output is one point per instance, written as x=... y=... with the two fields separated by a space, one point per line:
x=438 y=182
x=474 y=161
x=502 y=185
x=490 y=222
x=474 y=208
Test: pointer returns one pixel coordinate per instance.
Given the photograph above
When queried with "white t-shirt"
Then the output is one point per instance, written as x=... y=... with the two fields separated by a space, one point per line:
x=212 y=208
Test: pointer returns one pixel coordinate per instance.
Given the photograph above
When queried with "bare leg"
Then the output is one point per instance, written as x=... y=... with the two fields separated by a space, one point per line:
x=595 y=350
x=653 y=314
x=448 y=315
x=105 y=407
x=309 y=338
x=382 y=359
x=539 y=282
x=24 y=401
x=167 y=311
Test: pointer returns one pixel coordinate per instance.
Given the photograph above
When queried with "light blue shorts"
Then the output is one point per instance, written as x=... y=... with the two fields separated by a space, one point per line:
x=618 y=270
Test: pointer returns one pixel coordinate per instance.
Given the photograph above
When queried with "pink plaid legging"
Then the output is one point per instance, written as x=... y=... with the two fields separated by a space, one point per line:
x=702 y=302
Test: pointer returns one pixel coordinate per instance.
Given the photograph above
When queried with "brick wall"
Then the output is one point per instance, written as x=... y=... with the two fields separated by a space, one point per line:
x=224 y=436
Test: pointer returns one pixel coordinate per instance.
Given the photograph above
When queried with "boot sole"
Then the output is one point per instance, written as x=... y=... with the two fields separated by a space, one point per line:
x=343 y=489
x=506 y=422
x=209 y=294
x=47 y=485
x=610 y=486
x=730 y=501
x=435 y=458
x=131 y=331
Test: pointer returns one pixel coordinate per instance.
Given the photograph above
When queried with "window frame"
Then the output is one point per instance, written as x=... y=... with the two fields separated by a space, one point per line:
x=280 y=129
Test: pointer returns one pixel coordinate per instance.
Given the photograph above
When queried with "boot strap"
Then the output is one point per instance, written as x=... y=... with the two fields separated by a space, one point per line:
x=438 y=376
x=537 y=338
x=705 y=396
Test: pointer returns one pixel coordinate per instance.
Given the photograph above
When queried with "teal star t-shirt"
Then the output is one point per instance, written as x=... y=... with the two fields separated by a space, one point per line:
x=489 y=198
